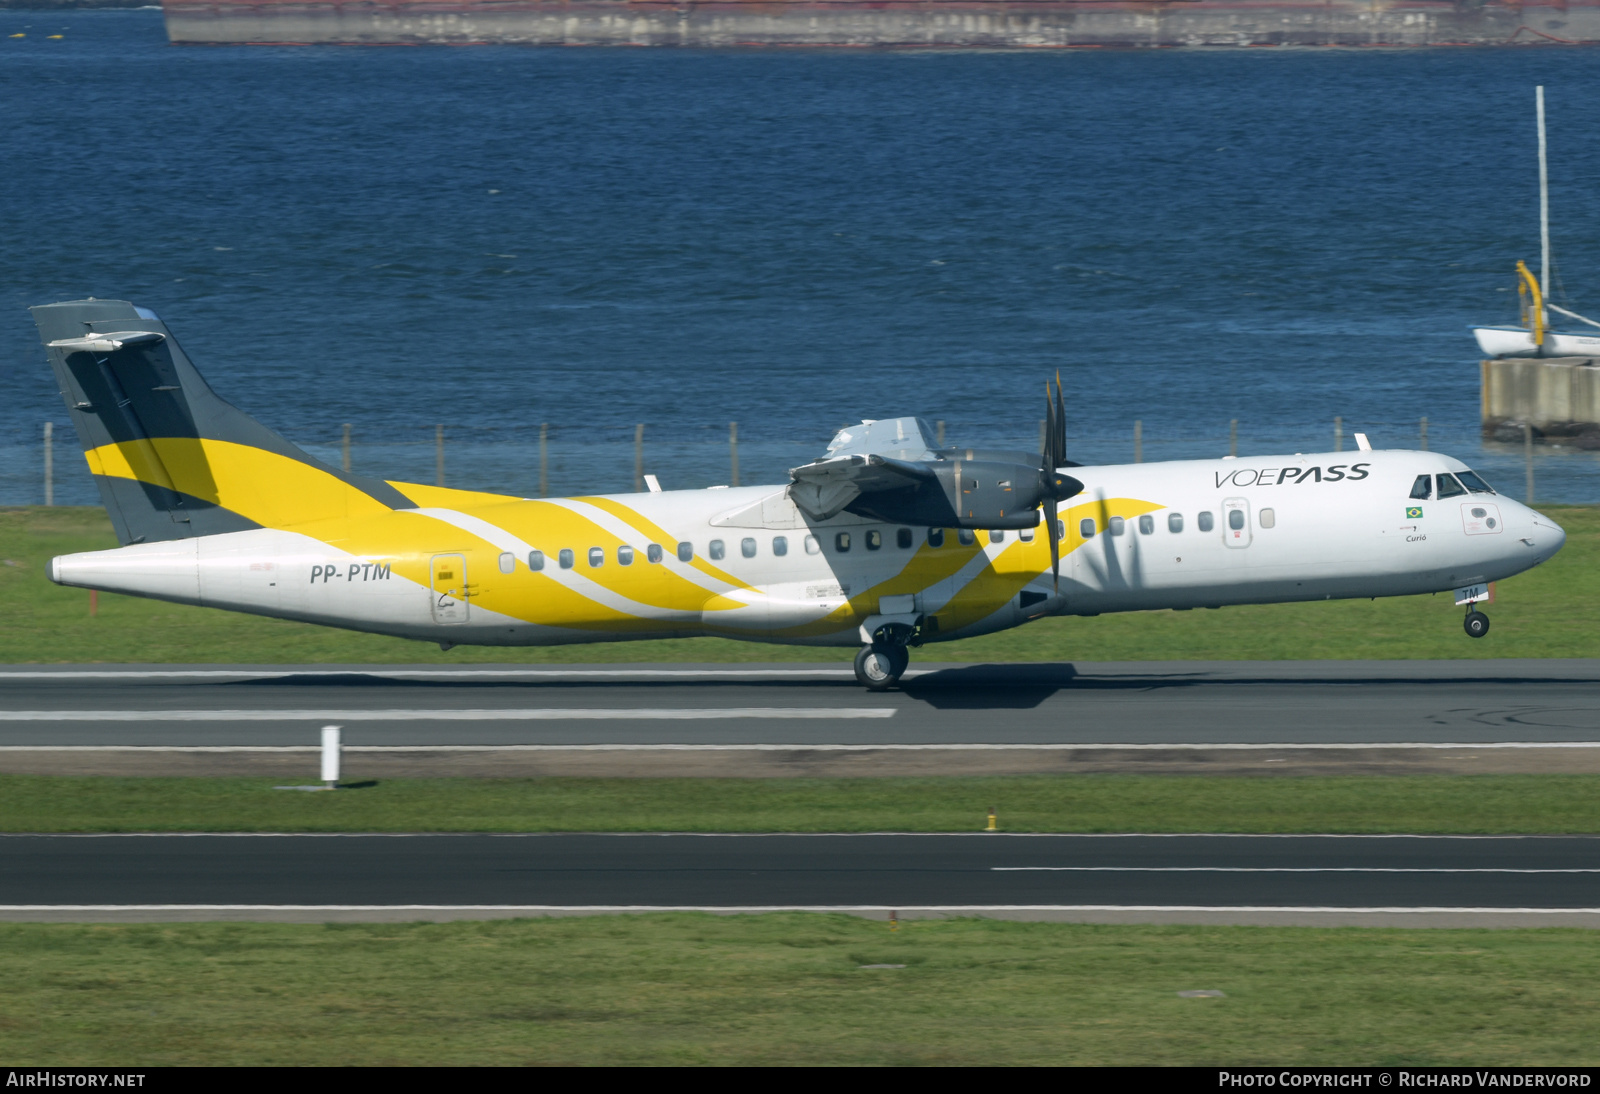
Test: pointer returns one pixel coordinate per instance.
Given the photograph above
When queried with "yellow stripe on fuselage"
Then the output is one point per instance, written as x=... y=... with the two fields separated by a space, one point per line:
x=448 y=497
x=284 y=493
x=1005 y=575
x=656 y=534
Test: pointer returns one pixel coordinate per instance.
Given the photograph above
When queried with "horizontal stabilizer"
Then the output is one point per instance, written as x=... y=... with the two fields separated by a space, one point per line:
x=107 y=343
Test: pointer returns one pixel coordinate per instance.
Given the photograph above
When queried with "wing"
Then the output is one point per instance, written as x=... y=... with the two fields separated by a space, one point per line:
x=824 y=488
x=899 y=438
x=876 y=456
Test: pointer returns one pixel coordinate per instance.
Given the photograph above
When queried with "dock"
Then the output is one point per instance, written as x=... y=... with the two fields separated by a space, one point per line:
x=1557 y=399
x=1026 y=24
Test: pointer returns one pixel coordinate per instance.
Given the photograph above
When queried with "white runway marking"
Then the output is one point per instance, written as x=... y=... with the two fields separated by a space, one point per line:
x=409 y=674
x=541 y=714
x=945 y=909
x=1287 y=870
x=877 y=712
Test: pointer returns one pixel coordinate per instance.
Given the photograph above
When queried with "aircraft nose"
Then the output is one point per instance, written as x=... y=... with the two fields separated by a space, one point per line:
x=1547 y=534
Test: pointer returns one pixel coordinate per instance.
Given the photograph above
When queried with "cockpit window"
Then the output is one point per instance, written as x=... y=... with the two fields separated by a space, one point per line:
x=1474 y=483
x=1449 y=487
x=1422 y=489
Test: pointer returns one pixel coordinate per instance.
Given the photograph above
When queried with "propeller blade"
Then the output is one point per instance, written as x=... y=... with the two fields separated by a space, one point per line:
x=1061 y=426
x=1051 y=457
x=1055 y=542
x=1049 y=428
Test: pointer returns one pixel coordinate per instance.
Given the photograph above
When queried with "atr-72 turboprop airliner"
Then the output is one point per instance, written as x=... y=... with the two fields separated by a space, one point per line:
x=885 y=543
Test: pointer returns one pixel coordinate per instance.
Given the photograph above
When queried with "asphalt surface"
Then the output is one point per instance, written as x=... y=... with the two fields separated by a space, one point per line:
x=978 y=870
x=1144 y=703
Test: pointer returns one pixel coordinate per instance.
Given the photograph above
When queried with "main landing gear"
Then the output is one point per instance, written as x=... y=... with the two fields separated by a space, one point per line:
x=1476 y=625
x=880 y=665
x=878 y=668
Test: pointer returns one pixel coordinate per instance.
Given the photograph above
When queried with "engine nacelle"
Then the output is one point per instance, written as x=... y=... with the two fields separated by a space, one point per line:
x=970 y=494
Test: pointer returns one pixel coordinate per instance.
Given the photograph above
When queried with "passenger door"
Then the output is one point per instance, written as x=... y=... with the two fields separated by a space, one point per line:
x=449 y=583
x=1236 y=522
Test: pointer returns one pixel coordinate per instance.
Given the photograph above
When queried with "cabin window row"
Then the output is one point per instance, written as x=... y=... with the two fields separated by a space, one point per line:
x=905 y=539
x=717 y=549
x=1088 y=527
x=566 y=558
x=749 y=547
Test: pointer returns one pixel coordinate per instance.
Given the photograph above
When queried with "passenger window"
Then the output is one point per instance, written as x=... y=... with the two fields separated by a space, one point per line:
x=508 y=562
x=1236 y=519
x=874 y=539
x=747 y=547
x=780 y=545
x=1421 y=490
x=812 y=546
x=1147 y=525
x=1474 y=483
x=1174 y=523
x=1086 y=527
x=1204 y=522
x=597 y=557
x=535 y=560
x=565 y=558
x=1268 y=518
x=717 y=550
x=685 y=552
x=653 y=552
x=1449 y=487
x=902 y=538
x=997 y=536
x=935 y=537
x=1061 y=529
x=624 y=556
x=1025 y=535
x=1116 y=526
x=965 y=537
x=841 y=542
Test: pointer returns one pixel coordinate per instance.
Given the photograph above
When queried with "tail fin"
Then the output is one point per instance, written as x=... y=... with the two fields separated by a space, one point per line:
x=172 y=459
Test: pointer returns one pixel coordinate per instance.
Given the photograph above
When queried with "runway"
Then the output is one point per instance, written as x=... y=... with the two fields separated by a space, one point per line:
x=1522 y=715
x=1415 y=881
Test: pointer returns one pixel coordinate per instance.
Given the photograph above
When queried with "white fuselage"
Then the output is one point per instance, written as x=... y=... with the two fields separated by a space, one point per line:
x=1140 y=536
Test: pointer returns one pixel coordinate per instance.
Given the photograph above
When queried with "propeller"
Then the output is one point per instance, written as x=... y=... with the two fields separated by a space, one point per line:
x=1056 y=487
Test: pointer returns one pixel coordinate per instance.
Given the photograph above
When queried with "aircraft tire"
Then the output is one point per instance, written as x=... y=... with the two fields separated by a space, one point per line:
x=875 y=669
x=1476 y=624
x=901 y=657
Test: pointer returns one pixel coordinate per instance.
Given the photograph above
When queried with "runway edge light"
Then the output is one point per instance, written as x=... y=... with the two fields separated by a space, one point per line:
x=330 y=756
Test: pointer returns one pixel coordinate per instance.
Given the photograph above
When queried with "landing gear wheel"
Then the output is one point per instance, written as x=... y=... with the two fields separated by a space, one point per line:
x=902 y=660
x=876 y=670
x=1476 y=624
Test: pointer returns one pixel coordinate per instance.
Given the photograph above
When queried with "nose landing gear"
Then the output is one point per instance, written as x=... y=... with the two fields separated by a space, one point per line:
x=1476 y=624
x=878 y=668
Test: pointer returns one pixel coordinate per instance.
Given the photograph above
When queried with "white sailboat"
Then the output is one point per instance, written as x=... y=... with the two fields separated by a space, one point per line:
x=1535 y=338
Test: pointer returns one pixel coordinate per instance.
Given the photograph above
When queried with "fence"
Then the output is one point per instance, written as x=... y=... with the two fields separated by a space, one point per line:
x=549 y=461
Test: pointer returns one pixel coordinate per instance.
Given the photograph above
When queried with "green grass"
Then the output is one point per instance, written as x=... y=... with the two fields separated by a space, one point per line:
x=1544 y=613
x=1026 y=803
x=788 y=989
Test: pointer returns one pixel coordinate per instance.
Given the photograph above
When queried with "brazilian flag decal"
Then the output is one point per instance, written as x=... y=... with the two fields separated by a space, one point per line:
x=1414 y=512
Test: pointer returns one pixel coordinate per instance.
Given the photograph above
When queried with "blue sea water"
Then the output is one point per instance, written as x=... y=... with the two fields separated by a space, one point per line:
x=493 y=238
